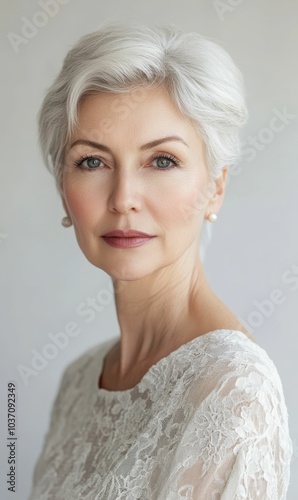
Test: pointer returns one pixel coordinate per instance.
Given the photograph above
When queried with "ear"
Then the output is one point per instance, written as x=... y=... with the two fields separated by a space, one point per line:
x=217 y=197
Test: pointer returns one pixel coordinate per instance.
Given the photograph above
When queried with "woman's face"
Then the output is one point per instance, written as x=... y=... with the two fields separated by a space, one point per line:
x=127 y=185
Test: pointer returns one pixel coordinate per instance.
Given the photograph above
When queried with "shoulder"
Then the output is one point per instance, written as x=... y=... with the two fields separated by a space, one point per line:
x=239 y=410
x=76 y=381
x=238 y=373
x=82 y=362
x=233 y=351
x=75 y=376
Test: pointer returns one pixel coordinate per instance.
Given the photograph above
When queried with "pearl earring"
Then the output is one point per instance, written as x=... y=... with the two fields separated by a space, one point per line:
x=66 y=222
x=212 y=217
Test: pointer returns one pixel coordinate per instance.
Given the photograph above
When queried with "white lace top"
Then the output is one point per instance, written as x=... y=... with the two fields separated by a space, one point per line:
x=208 y=421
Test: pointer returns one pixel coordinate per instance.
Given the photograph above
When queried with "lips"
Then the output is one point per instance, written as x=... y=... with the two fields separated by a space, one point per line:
x=126 y=239
x=131 y=233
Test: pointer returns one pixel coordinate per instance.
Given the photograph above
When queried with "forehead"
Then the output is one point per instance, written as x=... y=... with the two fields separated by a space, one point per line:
x=132 y=99
x=145 y=112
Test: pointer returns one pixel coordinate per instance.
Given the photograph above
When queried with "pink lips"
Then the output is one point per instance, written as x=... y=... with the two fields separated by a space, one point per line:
x=131 y=233
x=126 y=239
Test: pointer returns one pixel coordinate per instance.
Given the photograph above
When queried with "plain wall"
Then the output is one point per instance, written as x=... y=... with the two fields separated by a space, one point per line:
x=45 y=276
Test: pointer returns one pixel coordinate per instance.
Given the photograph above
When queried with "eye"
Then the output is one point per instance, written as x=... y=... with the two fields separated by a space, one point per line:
x=92 y=162
x=164 y=159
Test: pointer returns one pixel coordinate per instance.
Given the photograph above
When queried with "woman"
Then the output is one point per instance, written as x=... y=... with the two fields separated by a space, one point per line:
x=139 y=129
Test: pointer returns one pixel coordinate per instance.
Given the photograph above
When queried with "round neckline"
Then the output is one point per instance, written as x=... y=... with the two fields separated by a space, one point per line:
x=100 y=391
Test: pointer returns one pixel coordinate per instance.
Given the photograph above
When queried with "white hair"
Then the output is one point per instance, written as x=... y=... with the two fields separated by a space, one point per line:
x=199 y=75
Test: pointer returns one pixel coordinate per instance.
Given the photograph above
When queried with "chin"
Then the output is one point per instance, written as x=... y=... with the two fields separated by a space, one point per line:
x=121 y=270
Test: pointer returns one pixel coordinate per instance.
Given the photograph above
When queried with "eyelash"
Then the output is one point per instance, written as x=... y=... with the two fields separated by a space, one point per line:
x=175 y=160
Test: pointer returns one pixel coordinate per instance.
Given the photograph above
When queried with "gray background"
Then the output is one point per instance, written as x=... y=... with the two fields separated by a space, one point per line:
x=45 y=276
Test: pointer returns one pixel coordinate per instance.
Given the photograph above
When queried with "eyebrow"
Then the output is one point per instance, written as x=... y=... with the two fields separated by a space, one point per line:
x=149 y=145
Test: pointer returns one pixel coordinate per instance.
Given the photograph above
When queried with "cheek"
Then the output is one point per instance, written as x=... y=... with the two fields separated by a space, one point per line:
x=196 y=203
x=83 y=205
x=187 y=203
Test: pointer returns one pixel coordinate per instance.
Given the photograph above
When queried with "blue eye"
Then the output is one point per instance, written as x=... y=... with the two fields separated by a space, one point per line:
x=93 y=162
x=164 y=159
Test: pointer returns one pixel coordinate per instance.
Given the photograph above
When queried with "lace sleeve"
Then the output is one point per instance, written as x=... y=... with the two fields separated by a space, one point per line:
x=54 y=416
x=236 y=444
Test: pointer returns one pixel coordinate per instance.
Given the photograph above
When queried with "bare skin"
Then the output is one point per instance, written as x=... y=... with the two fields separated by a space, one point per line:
x=162 y=296
x=222 y=318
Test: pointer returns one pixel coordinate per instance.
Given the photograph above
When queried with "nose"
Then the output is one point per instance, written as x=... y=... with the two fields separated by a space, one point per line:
x=125 y=193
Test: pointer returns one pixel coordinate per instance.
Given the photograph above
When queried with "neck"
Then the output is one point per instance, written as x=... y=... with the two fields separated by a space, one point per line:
x=161 y=310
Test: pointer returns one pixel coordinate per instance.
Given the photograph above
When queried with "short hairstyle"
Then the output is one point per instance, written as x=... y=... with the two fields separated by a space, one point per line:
x=199 y=75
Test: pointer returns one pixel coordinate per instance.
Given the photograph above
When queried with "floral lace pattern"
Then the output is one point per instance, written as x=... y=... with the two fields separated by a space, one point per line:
x=208 y=421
